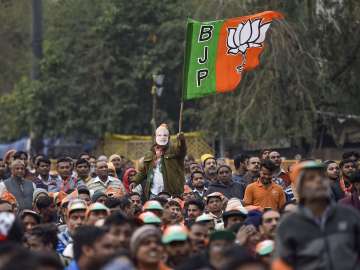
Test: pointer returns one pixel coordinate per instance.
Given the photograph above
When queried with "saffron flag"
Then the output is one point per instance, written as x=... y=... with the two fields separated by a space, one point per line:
x=218 y=52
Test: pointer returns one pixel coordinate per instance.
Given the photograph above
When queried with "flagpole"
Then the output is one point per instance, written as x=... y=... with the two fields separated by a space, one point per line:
x=181 y=114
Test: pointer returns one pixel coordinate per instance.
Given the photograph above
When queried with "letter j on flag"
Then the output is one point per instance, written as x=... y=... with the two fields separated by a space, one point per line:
x=218 y=52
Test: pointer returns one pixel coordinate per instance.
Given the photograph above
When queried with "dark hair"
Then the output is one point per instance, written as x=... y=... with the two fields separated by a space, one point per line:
x=81 y=238
x=237 y=256
x=344 y=161
x=164 y=193
x=83 y=154
x=240 y=159
x=43 y=160
x=133 y=194
x=197 y=171
x=18 y=155
x=16 y=233
x=119 y=219
x=199 y=203
x=161 y=200
x=49 y=260
x=43 y=202
x=355 y=177
x=47 y=233
x=328 y=162
x=83 y=190
x=112 y=202
x=172 y=203
x=63 y=159
x=268 y=164
x=33 y=159
x=82 y=161
x=349 y=154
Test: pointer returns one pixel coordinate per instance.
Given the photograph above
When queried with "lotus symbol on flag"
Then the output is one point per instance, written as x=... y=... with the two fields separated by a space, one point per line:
x=247 y=35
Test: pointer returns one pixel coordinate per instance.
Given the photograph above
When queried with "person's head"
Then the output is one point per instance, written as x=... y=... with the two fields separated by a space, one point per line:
x=224 y=174
x=95 y=212
x=43 y=167
x=135 y=199
x=116 y=161
x=275 y=157
x=210 y=166
x=172 y=212
x=146 y=247
x=355 y=181
x=311 y=182
x=30 y=219
x=199 y=236
x=46 y=208
x=194 y=208
x=91 y=244
x=121 y=228
x=214 y=203
x=162 y=135
x=352 y=155
x=234 y=213
x=194 y=166
x=332 y=169
x=240 y=258
x=23 y=156
x=154 y=206
x=102 y=169
x=264 y=154
x=3 y=167
x=99 y=196
x=6 y=206
x=253 y=165
x=76 y=214
x=219 y=241
x=18 y=169
x=84 y=194
x=177 y=246
x=240 y=162
x=348 y=167
x=82 y=168
x=42 y=238
x=198 y=179
x=289 y=207
x=164 y=195
x=85 y=156
x=64 y=167
x=267 y=169
x=269 y=222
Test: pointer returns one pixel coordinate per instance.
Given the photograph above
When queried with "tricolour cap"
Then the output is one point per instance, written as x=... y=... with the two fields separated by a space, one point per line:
x=149 y=218
x=152 y=205
x=265 y=247
x=75 y=205
x=174 y=233
x=204 y=218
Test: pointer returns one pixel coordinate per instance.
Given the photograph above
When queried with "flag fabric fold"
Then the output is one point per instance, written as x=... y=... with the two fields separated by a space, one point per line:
x=218 y=52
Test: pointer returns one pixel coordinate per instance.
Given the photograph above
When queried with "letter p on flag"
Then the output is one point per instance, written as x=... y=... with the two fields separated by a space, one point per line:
x=218 y=52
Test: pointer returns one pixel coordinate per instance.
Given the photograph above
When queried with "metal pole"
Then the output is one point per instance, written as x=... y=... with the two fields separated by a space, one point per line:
x=154 y=101
x=36 y=38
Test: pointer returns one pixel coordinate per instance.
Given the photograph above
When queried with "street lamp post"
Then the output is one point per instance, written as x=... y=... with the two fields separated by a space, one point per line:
x=156 y=91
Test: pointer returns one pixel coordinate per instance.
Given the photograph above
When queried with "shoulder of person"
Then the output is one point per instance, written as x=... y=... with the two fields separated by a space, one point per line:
x=346 y=211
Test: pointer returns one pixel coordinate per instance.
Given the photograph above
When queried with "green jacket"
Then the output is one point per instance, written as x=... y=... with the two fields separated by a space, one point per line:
x=172 y=169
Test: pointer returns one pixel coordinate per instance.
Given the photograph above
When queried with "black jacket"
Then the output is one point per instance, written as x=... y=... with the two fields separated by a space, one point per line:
x=233 y=190
x=330 y=244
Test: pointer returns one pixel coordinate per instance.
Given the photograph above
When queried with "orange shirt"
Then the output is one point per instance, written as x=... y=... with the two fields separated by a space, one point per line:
x=272 y=196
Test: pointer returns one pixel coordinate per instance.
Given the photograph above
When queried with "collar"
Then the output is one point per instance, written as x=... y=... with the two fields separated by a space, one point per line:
x=259 y=184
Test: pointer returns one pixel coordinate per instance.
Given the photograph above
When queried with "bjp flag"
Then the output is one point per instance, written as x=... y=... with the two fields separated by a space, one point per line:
x=218 y=52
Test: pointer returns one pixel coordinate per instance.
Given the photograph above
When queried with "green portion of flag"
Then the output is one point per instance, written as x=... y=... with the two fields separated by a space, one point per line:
x=200 y=58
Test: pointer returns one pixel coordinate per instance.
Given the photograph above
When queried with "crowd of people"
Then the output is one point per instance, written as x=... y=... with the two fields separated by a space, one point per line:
x=175 y=212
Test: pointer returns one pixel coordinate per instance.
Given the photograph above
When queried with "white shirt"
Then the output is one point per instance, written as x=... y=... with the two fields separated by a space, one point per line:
x=158 y=180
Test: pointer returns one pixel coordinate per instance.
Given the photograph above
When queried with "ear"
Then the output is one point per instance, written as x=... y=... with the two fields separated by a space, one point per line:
x=88 y=251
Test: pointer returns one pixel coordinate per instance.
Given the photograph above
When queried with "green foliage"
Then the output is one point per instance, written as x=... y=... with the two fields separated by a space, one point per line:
x=99 y=57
